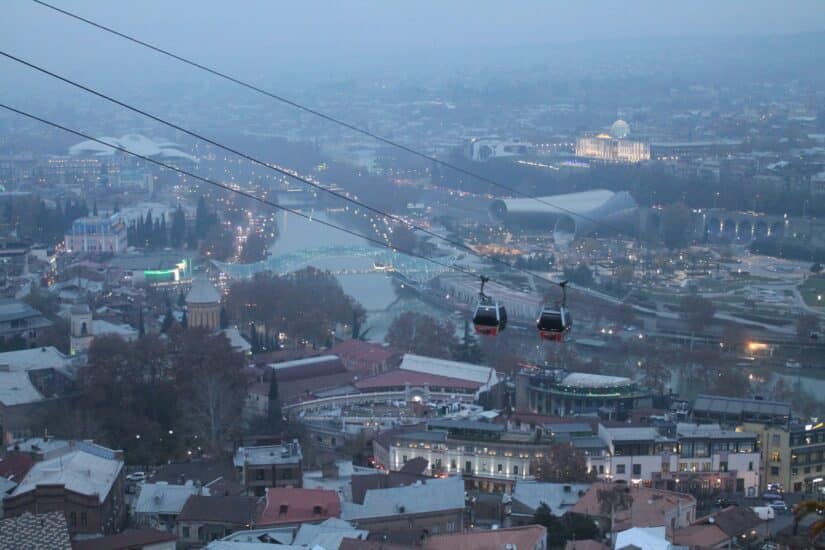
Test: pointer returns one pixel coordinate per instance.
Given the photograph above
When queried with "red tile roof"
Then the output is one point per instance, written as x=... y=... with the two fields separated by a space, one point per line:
x=358 y=351
x=398 y=378
x=15 y=465
x=527 y=536
x=127 y=540
x=292 y=505
x=648 y=508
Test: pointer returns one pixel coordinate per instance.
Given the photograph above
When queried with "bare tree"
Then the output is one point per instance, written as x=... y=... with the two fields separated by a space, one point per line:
x=614 y=498
x=563 y=463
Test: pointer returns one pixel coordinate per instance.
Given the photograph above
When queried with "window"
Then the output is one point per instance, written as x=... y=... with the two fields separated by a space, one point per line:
x=453 y=464
x=750 y=466
x=450 y=526
x=515 y=470
x=665 y=467
x=620 y=468
x=73 y=519
x=200 y=533
x=807 y=470
x=286 y=473
x=774 y=456
x=774 y=470
x=706 y=466
x=775 y=440
x=404 y=459
x=468 y=467
x=683 y=466
x=637 y=469
x=185 y=532
x=259 y=474
x=601 y=468
x=694 y=467
x=83 y=519
x=500 y=468
x=723 y=466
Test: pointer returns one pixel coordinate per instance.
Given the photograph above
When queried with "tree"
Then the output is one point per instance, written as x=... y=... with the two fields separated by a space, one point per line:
x=468 y=350
x=806 y=508
x=805 y=326
x=697 y=311
x=224 y=319
x=177 y=231
x=612 y=499
x=168 y=319
x=254 y=249
x=655 y=375
x=580 y=275
x=563 y=463
x=568 y=527
x=676 y=225
x=421 y=334
x=211 y=385
x=816 y=268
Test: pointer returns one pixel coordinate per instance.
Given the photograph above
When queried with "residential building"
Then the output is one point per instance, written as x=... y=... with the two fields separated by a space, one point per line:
x=434 y=507
x=696 y=458
x=19 y=320
x=267 y=466
x=528 y=496
x=207 y=518
x=643 y=538
x=82 y=480
x=807 y=458
x=286 y=506
x=650 y=508
x=131 y=539
x=769 y=420
x=528 y=537
x=557 y=392
x=728 y=528
x=97 y=235
x=159 y=504
x=486 y=455
x=30 y=379
x=36 y=531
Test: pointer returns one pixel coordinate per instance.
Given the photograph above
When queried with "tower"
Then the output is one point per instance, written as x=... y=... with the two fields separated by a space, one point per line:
x=203 y=304
x=81 y=333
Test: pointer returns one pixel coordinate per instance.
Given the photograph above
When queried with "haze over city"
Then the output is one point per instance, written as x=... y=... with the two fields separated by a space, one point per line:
x=358 y=275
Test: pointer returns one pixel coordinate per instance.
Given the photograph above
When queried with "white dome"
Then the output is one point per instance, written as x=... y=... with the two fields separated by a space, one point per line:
x=203 y=292
x=620 y=129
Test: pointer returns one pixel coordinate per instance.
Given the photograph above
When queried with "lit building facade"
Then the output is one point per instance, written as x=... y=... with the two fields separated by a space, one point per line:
x=97 y=235
x=609 y=149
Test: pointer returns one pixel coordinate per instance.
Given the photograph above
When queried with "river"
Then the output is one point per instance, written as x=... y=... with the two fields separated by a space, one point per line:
x=302 y=242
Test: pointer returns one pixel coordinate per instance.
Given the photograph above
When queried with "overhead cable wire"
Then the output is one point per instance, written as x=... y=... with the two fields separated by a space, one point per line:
x=279 y=169
x=245 y=194
x=324 y=116
x=276 y=168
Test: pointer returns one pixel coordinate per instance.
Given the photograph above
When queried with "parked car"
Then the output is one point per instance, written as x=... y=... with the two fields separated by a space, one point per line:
x=779 y=506
x=136 y=476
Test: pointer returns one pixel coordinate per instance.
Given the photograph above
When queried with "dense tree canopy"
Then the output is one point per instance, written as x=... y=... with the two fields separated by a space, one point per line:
x=305 y=305
x=424 y=335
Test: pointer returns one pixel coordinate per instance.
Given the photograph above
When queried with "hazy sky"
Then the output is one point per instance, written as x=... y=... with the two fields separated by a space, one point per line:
x=259 y=39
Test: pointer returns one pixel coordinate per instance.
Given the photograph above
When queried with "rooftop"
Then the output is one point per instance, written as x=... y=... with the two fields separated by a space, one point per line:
x=327 y=534
x=418 y=498
x=527 y=536
x=736 y=406
x=203 y=292
x=233 y=510
x=560 y=497
x=11 y=309
x=585 y=380
x=451 y=369
x=162 y=498
x=294 y=505
x=399 y=377
x=46 y=530
x=285 y=453
x=127 y=540
x=648 y=509
x=89 y=469
x=712 y=431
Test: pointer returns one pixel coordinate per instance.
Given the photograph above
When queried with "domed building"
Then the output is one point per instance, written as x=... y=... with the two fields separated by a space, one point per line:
x=620 y=129
x=203 y=304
